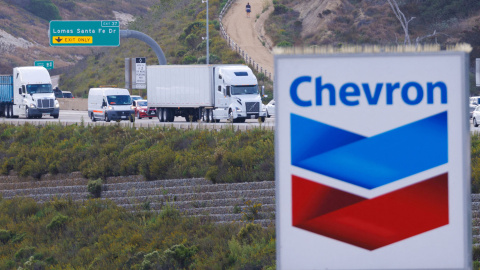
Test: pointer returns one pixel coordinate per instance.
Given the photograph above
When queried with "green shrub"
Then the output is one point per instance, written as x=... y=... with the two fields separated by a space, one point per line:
x=95 y=188
x=179 y=256
x=5 y=236
x=189 y=59
x=44 y=9
x=24 y=253
x=57 y=223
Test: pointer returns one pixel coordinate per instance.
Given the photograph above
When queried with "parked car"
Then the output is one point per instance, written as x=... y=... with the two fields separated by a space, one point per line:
x=474 y=102
x=67 y=94
x=270 y=108
x=142 y=110
x=476 y=116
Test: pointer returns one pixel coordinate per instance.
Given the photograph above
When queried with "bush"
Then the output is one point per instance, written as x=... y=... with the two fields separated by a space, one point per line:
x=57 y=223
x=279 y=9
x=189 y=59
x=24 y=253
x=179 y=256
x=5 y=236
x=44 y=9
x=95 y=188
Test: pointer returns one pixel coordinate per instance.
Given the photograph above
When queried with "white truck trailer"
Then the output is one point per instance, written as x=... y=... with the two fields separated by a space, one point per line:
x=28 y=93
x=208 y=92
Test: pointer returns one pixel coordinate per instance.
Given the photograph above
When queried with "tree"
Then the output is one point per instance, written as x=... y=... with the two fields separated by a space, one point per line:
x=403 y=20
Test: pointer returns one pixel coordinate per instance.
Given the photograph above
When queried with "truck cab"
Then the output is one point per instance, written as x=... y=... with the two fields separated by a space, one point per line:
x=33 y=94
x=237 y=95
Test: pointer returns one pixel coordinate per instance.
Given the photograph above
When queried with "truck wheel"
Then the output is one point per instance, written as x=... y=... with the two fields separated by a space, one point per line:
x=171 y=115
x=160 y=115
x=230 y=116
x=132 y=118
x=27 y=113
x=56 y=116
x=165 y=115
x=262 y=119
x=207 y=116
x=7 y=111
x=93 y=118
x=107 y=119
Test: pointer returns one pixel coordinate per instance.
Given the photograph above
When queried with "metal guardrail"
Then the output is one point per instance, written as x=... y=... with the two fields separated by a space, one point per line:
x=235 y=47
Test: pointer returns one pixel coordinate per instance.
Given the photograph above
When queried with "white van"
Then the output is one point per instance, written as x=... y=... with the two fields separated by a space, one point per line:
x=110 y=104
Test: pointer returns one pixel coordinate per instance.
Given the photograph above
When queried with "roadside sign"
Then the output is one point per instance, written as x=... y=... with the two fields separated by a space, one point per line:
x=373 y=161
x=84 y=33
x=136 y=73
x=48 y=64
x=141 y=72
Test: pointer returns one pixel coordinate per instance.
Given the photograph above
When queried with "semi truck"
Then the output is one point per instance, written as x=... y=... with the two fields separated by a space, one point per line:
x=204 y=92
x=28 y=93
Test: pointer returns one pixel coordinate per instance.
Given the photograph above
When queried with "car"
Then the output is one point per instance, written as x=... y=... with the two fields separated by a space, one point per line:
x=270 y=108
x=142 y=110
x=135 y=97
x=474 y=101
x=476 y=116
x=67 y=94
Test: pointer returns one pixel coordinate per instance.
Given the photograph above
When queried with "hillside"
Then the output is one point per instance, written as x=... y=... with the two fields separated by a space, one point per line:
x=178 y=27
x=24 y=27
x=319 y=22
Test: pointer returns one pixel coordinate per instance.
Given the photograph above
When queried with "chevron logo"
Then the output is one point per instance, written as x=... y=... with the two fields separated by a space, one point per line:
x=370 y=162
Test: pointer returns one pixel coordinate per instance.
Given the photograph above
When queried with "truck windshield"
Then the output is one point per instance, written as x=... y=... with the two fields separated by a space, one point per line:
x=39 y=88
x=245 y=90
x=119 y=100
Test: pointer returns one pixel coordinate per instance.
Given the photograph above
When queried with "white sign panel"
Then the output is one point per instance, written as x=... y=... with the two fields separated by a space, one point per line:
x=373 y=161
x=141 y=72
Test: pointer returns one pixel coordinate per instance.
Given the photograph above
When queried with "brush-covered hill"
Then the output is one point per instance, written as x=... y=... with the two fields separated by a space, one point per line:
x=339 y=22
x=24 y=27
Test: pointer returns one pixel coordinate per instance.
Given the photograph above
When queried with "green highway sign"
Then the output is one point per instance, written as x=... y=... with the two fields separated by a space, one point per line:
x=48 y=64
x=84 y=33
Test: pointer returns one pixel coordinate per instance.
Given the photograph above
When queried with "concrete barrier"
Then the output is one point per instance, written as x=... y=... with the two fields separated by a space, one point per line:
x=75 y=104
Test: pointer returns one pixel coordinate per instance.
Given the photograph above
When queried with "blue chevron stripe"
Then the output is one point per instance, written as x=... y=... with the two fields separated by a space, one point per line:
x=369 y=162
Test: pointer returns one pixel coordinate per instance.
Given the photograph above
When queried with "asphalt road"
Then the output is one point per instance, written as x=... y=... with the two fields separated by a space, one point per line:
x=75 y=117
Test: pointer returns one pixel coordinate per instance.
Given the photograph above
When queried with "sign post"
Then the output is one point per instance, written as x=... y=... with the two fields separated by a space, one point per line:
x=136 y=73
x=373 y=161
x=477 y=72
x=84 y=33
x=48 y=64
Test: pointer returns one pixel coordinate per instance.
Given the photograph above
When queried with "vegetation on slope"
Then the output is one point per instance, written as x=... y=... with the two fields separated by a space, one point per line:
x=97 y=234
x=27 y=22
x=372 y=22
x=157 y=153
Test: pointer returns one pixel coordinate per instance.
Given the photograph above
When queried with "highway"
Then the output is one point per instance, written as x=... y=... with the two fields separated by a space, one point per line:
x=70 y=117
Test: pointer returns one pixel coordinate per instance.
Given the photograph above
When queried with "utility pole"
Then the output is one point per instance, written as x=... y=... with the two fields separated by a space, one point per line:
x=208 y=45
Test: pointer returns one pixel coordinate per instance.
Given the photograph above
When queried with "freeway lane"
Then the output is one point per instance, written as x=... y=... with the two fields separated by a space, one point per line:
x=68 y=117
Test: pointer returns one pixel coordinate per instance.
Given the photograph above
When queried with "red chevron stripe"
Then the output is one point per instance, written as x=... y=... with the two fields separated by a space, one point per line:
x=370 y=223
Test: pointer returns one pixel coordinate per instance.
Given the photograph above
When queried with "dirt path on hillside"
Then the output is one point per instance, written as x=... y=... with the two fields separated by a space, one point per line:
x=242 y=30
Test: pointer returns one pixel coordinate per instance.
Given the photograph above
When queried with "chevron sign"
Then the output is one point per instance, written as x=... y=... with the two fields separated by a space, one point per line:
x=372 y=161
